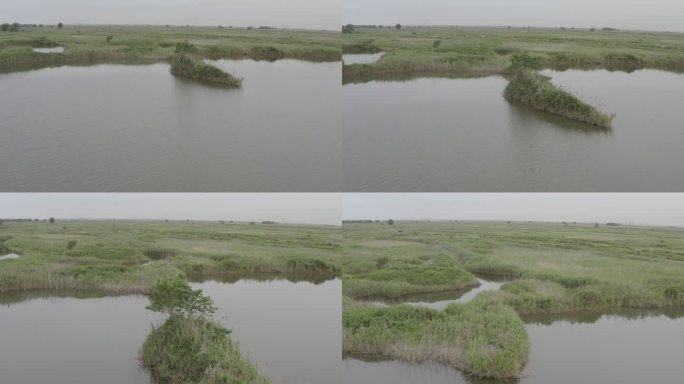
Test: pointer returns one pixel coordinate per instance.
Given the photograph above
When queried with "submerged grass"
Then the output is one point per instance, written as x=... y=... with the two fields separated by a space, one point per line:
x=538 y=92
x=487 y=341
x=184 y=66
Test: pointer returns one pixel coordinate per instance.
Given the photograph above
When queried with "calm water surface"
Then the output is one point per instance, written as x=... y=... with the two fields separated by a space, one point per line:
x=462 y=135
x=361 y=58
x=441 y=300
x=290 y=330
x=10 y=256
x=49 y=50
x=67 y=340
x=137 y=128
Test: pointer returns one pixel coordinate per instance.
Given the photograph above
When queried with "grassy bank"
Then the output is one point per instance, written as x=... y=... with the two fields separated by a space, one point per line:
x=443 y=50
x=135 y=44
x=487 y=341
x=186 y=67
x=127 y=256
x=537 y=91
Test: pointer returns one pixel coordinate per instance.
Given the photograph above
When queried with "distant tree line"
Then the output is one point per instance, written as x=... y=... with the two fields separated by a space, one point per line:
x=349 y=28
x=23 y=220
x=16 y=27
x=390 y=222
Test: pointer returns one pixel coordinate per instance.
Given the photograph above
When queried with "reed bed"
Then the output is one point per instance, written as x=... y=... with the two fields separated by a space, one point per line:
x=186 y=67
x=538 y=92
x=486 y=341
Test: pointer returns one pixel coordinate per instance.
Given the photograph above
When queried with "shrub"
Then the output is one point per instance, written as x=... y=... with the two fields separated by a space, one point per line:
x=177 y=298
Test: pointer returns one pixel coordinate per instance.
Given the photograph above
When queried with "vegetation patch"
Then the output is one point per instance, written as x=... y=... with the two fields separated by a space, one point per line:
x=90 y=45
x=537 y=91
x=127 y=256
x=397 y=282
x=487 y=341
x=113 y=252
x=365 y=46
x=443 y=51
x=190 y=347
x=184 y=66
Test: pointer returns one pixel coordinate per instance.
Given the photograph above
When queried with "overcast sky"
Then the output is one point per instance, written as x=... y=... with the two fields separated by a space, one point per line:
x=657 y=15
x=626 y=208
x=305 y=208
x=309 y=14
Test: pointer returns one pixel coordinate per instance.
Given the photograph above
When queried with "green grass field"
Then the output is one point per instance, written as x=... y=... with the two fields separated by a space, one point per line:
x=555 y=268
x=132 y=44
x=127 y=256
x=445 y=50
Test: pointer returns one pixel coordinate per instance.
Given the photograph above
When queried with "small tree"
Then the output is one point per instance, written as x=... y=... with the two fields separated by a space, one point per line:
x=177 y=298
x=15 y=27
x=390 y=222
x=60 y=25
x=436 y=44
x=72 y=244
x=5 y=27
x=51 y=220
x=398 y=26
x=109 y=38
x=347 y=29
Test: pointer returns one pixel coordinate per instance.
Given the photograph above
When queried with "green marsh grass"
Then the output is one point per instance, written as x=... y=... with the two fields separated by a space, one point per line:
x=412 y=50
x=557 y=268
x=537 y=91
x=186 y=67
x=126 y=256
x=397 y=282
x=184 y=350
x=487 y=341
x=190 y=347
x=88 y=45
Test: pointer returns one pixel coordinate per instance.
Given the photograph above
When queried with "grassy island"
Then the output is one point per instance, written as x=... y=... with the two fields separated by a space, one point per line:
x=537 y=91
x=184 y=66
x=190 y=347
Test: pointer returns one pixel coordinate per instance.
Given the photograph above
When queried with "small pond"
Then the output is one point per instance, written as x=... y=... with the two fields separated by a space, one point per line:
x=49 y=50
x=361 y=58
